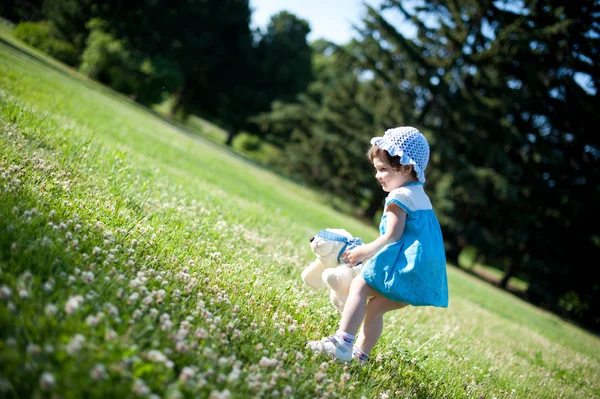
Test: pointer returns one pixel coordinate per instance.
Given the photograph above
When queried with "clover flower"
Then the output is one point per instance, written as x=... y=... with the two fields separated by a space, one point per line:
x=73 y=303
x=47 y=381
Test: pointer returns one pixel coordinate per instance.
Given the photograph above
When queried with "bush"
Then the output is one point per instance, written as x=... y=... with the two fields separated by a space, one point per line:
x=247 y=142
x=103 y=52
x=45 y=37
x=113 y=62
x=467 y=258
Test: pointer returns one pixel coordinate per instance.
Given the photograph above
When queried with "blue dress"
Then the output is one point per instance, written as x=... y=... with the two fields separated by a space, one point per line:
x=412 y=269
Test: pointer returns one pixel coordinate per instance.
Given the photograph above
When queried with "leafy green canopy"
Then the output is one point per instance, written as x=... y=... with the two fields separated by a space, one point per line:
x=497 y=90
x=201 y=53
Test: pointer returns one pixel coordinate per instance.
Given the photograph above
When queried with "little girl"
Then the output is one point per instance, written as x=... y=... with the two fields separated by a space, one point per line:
x=406 y=264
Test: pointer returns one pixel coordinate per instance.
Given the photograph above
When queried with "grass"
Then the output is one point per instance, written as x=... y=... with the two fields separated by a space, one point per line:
x=137 y=260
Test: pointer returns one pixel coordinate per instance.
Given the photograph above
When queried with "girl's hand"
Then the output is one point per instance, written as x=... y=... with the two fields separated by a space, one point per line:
x=356 y=255
x=396 y=221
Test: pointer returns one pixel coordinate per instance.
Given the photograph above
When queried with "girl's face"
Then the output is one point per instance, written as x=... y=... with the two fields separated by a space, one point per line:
x=389 y=178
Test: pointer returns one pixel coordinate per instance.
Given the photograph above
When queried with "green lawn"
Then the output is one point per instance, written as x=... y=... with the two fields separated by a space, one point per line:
x=138 y=260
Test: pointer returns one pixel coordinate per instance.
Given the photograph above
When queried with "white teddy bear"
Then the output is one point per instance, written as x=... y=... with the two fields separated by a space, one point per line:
x=328 y=270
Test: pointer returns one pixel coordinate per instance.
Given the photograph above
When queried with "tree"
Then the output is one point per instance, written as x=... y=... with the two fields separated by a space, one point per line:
x=284 y=65
x=70 y=18
x=22 y=10
x=499 y=88
x=326 y=131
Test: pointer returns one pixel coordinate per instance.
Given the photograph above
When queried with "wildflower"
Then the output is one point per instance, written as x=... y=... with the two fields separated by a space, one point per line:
x=99 y=372
x=111 y=309
x=133 y=297
x=156 y=356
x=166 y=325
x=187 y=374
x=47 y=381
x=5 y=292
x=49 y=285
x=33 y=349
x=266 y=362
x=139 y=388
x=91 y=321
x=181 y=346
x=174 y=394
x=87 y=277
x=219 y=395
x=320 y=376
x=50 y=309
x=234 y=375
x=46 y=242
x=201 y=333
x=111 y=335
x=182 y=333
x=75 y=344
x=73 y=303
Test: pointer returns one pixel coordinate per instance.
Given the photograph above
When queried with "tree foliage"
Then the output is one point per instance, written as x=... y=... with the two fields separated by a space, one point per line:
x=325 y=133
x=506 y=92
x=22 y=10
x=500 y=87
x=201 y=52
x=44 y=36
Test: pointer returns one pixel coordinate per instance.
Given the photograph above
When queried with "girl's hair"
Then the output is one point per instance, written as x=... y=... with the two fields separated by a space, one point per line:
x=394 y=162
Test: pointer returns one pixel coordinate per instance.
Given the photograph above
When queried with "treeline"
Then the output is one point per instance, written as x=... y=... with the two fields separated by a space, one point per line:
x=505 y=91
x=200 y=55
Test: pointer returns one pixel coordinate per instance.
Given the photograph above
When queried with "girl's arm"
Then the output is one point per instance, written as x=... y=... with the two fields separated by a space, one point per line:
x=394 y=228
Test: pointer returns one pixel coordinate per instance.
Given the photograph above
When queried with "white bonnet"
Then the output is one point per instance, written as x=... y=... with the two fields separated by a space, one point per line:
x=407 y=143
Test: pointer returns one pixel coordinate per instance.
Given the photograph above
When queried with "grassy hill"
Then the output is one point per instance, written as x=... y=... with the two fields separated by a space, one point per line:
x=138 y=260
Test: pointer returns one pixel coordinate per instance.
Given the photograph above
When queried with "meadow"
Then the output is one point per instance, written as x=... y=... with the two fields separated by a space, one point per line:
x=138 y=259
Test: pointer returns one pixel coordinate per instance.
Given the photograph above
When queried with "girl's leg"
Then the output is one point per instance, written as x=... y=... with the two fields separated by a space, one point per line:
x=373 y=323
x=356 y=305
x=340 y=344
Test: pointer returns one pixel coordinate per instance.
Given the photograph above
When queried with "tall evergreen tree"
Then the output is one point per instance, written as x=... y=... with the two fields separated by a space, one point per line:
x=325 y=134
x=498 y=84
x=284 y=61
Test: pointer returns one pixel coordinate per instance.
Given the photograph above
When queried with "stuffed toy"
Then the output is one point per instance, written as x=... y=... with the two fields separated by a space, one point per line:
x=328 y=270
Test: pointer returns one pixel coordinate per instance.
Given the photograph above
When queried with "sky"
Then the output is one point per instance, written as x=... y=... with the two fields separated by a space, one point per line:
x=333 y=19
x=329 y=19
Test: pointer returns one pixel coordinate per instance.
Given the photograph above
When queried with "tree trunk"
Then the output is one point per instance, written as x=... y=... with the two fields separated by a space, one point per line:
x=231 y=133
x=509 y=271
x=177 y=103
